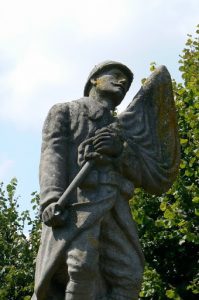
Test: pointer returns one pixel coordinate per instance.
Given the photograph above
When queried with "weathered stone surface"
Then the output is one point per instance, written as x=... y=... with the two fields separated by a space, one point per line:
x=89 y=246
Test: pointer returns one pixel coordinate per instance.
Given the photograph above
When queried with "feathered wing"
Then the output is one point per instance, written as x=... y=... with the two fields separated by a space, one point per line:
x=149 y=128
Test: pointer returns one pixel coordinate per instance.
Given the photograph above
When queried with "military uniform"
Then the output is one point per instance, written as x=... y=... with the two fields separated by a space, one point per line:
x=102 y=198
x=96 y=254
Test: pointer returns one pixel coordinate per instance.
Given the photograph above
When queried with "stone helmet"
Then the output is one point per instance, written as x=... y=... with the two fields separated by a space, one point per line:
x=106 y=65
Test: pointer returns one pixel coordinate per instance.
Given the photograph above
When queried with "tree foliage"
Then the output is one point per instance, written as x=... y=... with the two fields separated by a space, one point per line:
x=17 y=250
x=168 y=225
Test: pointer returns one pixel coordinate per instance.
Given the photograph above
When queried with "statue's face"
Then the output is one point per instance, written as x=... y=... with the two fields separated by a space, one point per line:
x=112 y=83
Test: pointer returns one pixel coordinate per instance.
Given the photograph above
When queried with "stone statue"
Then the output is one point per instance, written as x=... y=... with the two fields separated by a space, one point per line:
x=89 y=245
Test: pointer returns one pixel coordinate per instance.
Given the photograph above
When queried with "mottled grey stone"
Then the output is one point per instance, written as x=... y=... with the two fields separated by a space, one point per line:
x=89 y=245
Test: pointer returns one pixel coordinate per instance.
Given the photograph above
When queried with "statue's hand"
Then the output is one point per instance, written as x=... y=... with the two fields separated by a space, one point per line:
x=107 y=142
x=87 y=152
x=101 y=148
x=54 y=216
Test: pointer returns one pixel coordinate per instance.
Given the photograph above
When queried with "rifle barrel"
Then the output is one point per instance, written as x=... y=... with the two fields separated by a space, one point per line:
x=75 y=183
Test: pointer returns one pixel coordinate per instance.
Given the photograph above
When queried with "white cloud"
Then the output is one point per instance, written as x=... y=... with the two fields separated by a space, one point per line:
x=48 y=47
x=33 y=71
x=98 y=18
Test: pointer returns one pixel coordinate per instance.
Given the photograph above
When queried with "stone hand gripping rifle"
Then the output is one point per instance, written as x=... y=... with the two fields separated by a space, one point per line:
x=88 y=165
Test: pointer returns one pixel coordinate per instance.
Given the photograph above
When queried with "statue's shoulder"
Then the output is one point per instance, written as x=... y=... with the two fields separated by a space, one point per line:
x=63 y=107
x=80 y=103
x=68 y=110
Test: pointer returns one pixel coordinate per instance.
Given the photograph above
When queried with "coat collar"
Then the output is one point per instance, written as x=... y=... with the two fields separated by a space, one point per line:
x=97 y=109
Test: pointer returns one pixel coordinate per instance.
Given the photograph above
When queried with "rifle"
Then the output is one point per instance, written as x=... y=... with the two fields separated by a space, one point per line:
x=62 y=202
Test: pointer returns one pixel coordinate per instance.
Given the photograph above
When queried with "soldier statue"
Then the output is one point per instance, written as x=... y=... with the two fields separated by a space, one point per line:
x=89 y=245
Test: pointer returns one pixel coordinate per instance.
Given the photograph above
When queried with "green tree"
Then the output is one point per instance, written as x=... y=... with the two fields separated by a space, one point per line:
x=17 y=250
x=168 y=225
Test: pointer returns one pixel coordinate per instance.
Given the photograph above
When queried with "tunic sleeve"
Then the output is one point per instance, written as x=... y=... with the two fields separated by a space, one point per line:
x=53 y=173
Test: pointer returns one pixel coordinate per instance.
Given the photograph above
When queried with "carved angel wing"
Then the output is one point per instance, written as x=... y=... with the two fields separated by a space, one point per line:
x=150 y=129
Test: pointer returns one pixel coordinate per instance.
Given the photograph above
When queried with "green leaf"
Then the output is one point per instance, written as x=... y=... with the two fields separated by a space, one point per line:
x=170 y=294
x=195 y=200
x=169 y=214
x=197 y=212
x=163 y=206
x=183 y=141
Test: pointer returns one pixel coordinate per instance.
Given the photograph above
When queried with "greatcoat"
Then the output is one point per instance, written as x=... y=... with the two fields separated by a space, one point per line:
x=66 y=127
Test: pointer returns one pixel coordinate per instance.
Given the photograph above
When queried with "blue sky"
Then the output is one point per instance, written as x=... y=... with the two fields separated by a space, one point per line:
x=48 y=48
